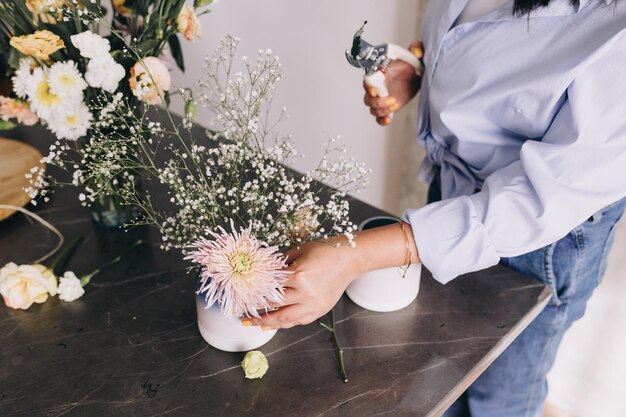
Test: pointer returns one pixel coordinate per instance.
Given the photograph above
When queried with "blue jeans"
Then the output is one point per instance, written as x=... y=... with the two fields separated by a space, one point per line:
x=515 y=384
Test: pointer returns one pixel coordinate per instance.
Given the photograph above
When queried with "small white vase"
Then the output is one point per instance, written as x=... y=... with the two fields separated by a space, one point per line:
x=385 y=289
x=228 y=334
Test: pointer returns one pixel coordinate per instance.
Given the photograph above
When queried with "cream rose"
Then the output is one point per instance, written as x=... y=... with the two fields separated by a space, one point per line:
x=189 y=24
x=255 y=364
x=70 y=287
x=39 y=45
x=23 y=285
x=149 y=85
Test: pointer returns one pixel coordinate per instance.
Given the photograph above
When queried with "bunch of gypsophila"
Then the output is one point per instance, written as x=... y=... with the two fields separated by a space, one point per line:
x=232 y=204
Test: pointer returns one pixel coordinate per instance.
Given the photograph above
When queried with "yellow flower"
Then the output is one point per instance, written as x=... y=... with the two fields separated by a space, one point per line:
x=255 y=364
x=188 y=23
x=119 y=7
x=43 y=94
x=23 y=285
x=39 y=45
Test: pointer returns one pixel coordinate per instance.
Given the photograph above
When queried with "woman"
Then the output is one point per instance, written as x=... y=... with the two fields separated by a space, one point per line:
x=523 y=116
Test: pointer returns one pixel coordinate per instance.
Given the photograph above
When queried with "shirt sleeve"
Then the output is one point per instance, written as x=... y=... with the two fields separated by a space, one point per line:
x=578 y=168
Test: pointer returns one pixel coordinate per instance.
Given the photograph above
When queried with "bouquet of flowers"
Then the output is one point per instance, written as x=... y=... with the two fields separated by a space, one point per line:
x=225 y=199
x=69 y=56
x=61 y=63
x=232 y=202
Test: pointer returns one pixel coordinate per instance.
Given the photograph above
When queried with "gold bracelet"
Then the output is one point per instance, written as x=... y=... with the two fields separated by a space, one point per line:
x=407 y=263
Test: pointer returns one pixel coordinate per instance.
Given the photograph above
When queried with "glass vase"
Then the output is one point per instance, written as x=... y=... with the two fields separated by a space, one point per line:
x=109 y=211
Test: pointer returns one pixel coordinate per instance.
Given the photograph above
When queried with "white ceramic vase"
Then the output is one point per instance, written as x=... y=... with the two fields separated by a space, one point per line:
x=228 y=334
x=385 y=289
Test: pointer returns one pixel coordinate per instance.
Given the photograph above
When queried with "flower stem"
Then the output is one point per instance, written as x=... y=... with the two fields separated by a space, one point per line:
x=85 y=279
x=332 y=328
x=61 y=260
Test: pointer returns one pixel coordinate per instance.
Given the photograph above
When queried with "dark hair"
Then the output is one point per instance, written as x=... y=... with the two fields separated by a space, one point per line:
x=522 y=7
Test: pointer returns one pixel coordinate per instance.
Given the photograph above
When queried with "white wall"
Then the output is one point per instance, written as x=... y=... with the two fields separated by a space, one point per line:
x=322 y=93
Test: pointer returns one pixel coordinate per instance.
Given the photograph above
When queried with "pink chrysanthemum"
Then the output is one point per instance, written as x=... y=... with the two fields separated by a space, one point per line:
x=239 y=272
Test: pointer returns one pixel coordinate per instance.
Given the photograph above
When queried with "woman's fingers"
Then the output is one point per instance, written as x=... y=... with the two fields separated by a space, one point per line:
x=283 y=318
x=293 y=253
x=291 y=297
x=417 y=49
x=387 y=111
x=369 y=90
x=383 y=121
x=379 y=102
x=380 y=107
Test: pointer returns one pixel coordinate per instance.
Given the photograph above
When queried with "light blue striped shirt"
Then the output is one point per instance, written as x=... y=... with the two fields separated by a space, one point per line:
x=529 y=110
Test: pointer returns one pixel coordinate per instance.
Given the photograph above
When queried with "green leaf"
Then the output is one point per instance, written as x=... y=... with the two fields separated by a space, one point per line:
x=147 y=47
x=14 y=59
x=174 y=12
x=201 y=3
x=7 y=125
x=177 y=51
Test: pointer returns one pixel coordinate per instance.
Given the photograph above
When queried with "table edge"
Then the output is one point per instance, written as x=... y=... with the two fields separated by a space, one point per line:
x=492 y=355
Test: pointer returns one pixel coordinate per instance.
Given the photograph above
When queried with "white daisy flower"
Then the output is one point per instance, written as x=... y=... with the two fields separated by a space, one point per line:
x=71 y=123
x=42 y=100
x=66 y=81
x=22 y=78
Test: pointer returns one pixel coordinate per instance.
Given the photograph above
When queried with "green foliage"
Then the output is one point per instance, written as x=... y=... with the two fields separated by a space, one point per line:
x=201 y=3
x=177 y=52
x=7 y=125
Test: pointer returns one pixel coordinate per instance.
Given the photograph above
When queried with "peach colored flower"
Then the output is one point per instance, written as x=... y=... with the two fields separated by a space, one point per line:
x=41 y=10
x=23 y=285
x=304 y=224
x=11 y=108
x=149 y=80
x=239 y=272
x=189 y=24
x=39 y=45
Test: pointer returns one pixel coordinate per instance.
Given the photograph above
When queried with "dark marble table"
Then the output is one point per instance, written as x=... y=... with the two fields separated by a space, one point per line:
x=130 y=346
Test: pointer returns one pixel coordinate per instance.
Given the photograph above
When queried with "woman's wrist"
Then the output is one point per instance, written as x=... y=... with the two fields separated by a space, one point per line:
x=384 y=247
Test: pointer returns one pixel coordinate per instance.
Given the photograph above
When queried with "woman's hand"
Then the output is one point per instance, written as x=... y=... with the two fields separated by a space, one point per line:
x=402 y=83
x=320 y=274
x=321 y=271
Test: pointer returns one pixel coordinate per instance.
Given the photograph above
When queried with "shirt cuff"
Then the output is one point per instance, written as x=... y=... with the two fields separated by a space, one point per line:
x=451 y=238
